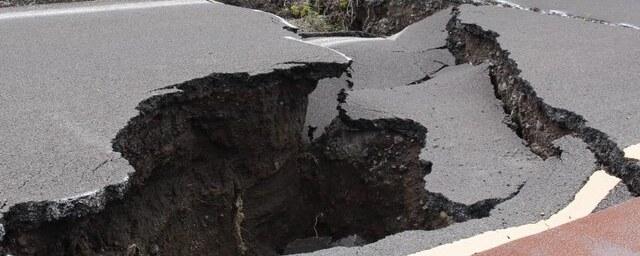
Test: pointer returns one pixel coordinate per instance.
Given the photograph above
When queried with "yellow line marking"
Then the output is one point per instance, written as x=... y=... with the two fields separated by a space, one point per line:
x=586 y=200
x=632 y=152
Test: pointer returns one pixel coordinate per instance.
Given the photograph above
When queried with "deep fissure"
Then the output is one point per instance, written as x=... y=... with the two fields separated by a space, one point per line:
x=221 y=168
x=538 y=123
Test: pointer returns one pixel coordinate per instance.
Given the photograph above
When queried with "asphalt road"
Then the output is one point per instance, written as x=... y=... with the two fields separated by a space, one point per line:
x=68 y=91
x=587 y=68
x=623 y=12
x=409 y=56
x=475 y=156
x=72 y=75
x=584 y=67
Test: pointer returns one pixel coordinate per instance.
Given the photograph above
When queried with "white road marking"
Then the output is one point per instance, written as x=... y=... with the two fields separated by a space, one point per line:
x=627 y=25
x=334 y=41
x=98 y=8
x=632 y=152
x=397 y=35
x=511 y=4
x=559 y=13
x=284 y=21
x=586 y=200
x=305 y=42
x=338 y=40
x=505 y=3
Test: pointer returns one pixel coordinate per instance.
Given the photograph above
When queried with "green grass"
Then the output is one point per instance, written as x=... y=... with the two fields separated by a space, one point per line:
x=308 y=14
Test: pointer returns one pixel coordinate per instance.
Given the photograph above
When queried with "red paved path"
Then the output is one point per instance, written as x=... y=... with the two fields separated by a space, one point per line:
x=612 y=232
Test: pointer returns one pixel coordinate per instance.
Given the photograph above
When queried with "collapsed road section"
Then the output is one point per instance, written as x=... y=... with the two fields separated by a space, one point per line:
x=111 y=162
x=473 y=152
x=104 y=158
x=474 y=155
x=213 y=165
x=203 y=179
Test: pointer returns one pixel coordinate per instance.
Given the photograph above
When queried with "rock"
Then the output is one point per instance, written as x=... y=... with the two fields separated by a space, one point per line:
x=350 y=241
x=309 y=244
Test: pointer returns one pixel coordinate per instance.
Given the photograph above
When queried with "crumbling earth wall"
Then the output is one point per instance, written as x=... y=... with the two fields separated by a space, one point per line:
x=221 y=169
x=380 y=17
x=203 y=157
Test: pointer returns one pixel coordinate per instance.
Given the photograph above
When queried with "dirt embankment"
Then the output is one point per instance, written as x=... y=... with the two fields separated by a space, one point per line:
x=380 y=17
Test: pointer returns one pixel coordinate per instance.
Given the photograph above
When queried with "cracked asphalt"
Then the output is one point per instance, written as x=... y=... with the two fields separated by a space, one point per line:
x=381 y=63
x=585 y=67
x=623 y=12
x=67 y=92
x=475 y=156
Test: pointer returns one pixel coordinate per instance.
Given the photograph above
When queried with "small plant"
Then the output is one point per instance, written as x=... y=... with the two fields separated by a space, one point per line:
x=308 y=14
x=301 y=10
x=316 y=22
x=343 y=4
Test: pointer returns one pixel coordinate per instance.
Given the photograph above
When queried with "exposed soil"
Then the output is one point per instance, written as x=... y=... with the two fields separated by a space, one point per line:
x=526 y=112
x=221 y=169
x=386 y=17
x=215 y=172
x=378 y=17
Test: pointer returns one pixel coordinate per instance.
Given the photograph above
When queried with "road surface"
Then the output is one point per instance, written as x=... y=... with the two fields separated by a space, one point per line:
x=616 y=12
x=67 y=92
x=72 y=75
x=584 y=67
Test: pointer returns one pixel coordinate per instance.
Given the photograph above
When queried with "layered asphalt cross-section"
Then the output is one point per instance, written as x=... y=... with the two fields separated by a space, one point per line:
x=73 y=75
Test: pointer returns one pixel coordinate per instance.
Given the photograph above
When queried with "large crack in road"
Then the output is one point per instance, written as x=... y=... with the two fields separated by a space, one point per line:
x=552 y=133
x=201 y=162
x=220 y=165
x=536 y=121
x=245 y=164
